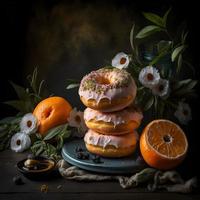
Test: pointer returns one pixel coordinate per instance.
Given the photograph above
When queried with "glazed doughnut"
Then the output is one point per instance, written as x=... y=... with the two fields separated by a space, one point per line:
x=110 y=145
x=107 y=89
x=115 y=123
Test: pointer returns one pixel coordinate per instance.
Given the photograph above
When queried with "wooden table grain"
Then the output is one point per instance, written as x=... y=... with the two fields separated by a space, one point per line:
x=59 y=188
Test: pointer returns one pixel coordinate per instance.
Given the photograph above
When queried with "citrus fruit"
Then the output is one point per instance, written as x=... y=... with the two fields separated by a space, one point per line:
x=51 y=112
x=163 y=144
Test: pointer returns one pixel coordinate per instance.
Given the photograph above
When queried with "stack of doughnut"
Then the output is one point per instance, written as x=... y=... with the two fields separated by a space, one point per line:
x=111 y=116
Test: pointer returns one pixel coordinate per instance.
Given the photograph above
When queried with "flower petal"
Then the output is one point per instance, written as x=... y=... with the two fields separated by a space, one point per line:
x=20 y=142
x=28 y=124
x=79 y=124
x=121 y=60
x=161 y=88
x=183 y=113
x=149 y=76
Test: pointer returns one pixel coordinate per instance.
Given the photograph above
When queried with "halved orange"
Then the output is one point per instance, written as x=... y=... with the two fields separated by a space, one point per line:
x=163 y=144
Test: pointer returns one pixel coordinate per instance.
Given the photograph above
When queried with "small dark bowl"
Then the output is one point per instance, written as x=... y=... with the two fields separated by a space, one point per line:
x=38 y=174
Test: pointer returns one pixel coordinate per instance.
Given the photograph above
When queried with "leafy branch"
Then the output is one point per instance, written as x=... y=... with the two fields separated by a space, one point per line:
x=159 y=24
x=8 y=127
x=28 y=97
x=172 y=48
x=52 y=143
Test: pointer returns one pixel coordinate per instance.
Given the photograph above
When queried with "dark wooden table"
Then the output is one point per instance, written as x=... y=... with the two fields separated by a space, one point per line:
x=59 y=188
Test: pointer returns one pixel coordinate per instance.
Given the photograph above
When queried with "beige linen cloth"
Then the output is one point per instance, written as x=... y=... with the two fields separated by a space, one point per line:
x=154 y=179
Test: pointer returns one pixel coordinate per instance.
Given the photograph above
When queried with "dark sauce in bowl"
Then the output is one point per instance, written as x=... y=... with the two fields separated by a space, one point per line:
x=37 y=168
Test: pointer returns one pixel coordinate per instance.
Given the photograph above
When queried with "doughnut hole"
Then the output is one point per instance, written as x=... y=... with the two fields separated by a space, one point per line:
x=103 y=80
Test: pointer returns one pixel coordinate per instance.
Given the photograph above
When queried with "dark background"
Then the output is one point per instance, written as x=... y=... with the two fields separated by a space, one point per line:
x=67 y=39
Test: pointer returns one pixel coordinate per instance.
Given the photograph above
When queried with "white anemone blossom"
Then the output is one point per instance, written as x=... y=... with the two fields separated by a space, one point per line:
x=149 y=76
x=76 y=120
x=20 y=142
x=161 y=88
x=121 y=60
x=28 y=124
x=183 y=113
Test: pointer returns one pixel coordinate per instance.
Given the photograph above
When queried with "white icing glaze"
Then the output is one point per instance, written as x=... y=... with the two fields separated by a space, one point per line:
x=119 y=117
x=94 y=138
x=111 y=93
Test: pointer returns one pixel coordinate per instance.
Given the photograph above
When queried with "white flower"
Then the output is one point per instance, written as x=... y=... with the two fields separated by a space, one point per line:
x=183 y=113
x=76 y=120
x=161 y=88
x=121 y=60
x=20 y=142
x=149 y=76
x=28 y=124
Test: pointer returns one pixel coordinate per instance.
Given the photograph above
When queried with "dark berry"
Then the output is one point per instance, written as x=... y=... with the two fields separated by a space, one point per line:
x=79 y=149
x=82 y=156
x=79 y=155
x=87 y=156
x=96 y=159
x=18 y=180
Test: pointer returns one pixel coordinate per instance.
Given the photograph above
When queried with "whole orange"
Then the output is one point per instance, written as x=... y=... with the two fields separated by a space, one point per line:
x=163 y=144
x=51 y=112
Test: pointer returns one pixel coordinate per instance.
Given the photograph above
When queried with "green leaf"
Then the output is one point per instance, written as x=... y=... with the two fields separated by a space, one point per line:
x=179 y=63
x=21 y=92
x=55 y=131
x=38 y=142
x=149 y=103
x=3 y=134
x=184 y=36
x=164 y=50
x=33 y=82
x=20 y=105
x=10 y=120
x=184 y=87
x=157 y=58
x=66 y=134
x=131 y=37
x=72 y=83
x=3 y=127
x=191 y=85
x=147 y=31
x=156 y=19
x=60 y=142
x=163 y=45
x=72 y=86
x=166 y=16
x=178 y=84
x=36 y=145
x=39 y=150
x=50 y=150
x=17 y=104
x=40 y=88
x=176 y=52
x=186 y=81
x=38 y=136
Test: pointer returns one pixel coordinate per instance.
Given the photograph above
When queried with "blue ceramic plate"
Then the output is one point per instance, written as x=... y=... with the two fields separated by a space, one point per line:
x=130 y=164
